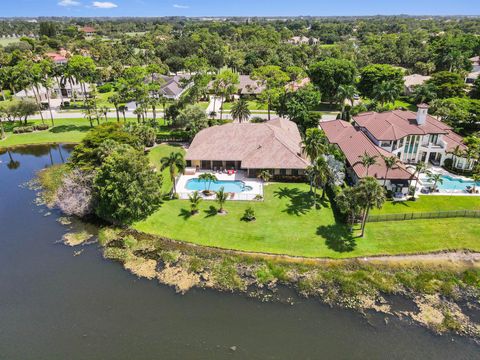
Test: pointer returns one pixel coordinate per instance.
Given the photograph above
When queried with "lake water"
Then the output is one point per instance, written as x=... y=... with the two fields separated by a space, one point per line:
x=54 y=305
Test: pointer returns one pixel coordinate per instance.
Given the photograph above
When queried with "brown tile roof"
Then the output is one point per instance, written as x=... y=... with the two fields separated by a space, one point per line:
x=396 y=124
x=354 y=143
x=271 y=145
x=453 y=140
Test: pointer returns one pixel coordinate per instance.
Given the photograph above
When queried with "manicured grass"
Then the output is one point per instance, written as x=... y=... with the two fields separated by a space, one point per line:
x=431 y=203
x=156 y=154
x=252 y=105
x=64 y=131
x=287 y=224
x=8 y=41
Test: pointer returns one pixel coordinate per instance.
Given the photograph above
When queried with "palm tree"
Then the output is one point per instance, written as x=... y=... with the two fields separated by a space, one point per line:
x=476 y=179
x=419 y=169
x=265 y=175
x=436 y=179
x=346 y=92
x=368 y=160
x=208 y=178
x=2 y=130
x=175 y=163
x=90 y=113
x=115 y=100
x=322 y=171
x=240 y=111
x=104 y=110
x=370 y=194
x=195 y=200
x=12 y=164
x=123 y=110
x=221 y=196
x=387 y=92
x=315 y=143
x=390 y=163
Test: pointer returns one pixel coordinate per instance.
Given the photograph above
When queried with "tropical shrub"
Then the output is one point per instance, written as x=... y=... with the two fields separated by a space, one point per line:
x=249 y=214
x=23 y=129
x=105 y=88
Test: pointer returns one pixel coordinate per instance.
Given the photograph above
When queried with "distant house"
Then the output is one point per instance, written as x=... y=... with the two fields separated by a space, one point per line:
x=295 y=85
x=354 y=144
x=173 y=87
x=413 y=137
x=57 y=58
x=410 y=81
x=297 y=40
x=60 y=88
x=274 y=145
x=88 y=31
x=475 y=73
x=246 y=86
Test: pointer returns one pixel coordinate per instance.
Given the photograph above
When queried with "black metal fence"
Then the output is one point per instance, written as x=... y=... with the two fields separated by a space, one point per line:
x=424 y=215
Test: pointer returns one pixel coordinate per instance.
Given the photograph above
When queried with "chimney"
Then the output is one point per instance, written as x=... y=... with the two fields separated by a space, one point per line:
x=422 y=113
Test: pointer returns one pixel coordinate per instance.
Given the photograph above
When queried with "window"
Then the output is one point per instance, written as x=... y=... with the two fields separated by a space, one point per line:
x=295 y=172
x=283 y=172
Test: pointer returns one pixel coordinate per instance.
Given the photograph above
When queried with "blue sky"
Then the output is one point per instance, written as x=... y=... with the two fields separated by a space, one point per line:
x=236 y=7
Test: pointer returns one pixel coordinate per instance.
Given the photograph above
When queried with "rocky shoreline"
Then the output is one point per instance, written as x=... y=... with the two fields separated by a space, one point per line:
x=442 y=296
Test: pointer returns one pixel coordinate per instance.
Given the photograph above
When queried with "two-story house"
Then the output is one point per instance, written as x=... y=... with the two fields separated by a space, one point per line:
x=412 y=137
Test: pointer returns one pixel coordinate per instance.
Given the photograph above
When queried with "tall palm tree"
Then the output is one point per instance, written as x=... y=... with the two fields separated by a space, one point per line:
x=240 y=111
x=315 y=143
x=390 y=164
x=370 y=194
x=419 y=169
x=346 y=92
x=195 y=200
x=2 y=130
x=104 y=111
x=368 y=160
x=175 y=163
x=221 y=197
x=436 y=179
x=387 y=92
x=208 y=178
x=115 y=100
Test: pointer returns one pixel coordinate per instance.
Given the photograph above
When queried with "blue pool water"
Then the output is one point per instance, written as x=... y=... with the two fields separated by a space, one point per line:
x=235 y=186
x=450 y=183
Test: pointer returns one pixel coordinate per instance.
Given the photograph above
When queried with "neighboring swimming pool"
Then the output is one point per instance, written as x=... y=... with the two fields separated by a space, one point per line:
x=450 y=183
x=234 y=186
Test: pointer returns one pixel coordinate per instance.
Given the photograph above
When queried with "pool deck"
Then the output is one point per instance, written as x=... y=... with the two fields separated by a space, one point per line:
x=249 y=195
x=423 y=182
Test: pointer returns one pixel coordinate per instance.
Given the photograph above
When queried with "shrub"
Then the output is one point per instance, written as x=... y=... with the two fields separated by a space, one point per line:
x=249 y=214
x=41 y=127
x=23 y=129
x=258 y=197
x=129 y=241
x=257 y=120
x=105 y=88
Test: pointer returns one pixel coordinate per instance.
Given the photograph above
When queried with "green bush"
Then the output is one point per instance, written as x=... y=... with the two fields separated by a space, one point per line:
x=105 y=88
x=41 y=127
x=249 y=214
x=23 y=129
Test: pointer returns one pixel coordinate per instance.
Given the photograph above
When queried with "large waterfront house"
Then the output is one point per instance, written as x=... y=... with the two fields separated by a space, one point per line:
x=413 y=137
x=274 y=145
x=354 y=143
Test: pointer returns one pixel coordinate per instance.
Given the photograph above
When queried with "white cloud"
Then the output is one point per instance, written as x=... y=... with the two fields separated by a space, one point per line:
x=69 y=3
x=178 y=6
x=104 y=5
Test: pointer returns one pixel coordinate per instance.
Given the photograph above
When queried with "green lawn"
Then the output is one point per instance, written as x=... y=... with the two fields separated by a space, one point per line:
x=287 y=224
x=8 y=41
x=64 y=131
x=252 y=105
x=427 y=203
x=156 y=154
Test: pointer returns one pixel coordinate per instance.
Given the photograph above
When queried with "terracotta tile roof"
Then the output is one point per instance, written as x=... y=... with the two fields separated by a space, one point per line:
x=354 y=143
x=271 y=145
x=396 y=124
x=87 y=29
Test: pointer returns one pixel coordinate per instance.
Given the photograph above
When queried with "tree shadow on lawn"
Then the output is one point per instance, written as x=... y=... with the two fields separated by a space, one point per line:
x=211 y=211
x=185 y=214
x=301 y=202
x=67 y=128
x=337 y=237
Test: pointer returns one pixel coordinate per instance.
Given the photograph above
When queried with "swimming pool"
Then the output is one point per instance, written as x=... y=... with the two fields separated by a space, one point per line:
x=234 y=186
x=450 y=183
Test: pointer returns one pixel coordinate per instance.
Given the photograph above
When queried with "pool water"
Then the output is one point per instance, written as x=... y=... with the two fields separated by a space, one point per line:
x=234 y=186
x=450 y=183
